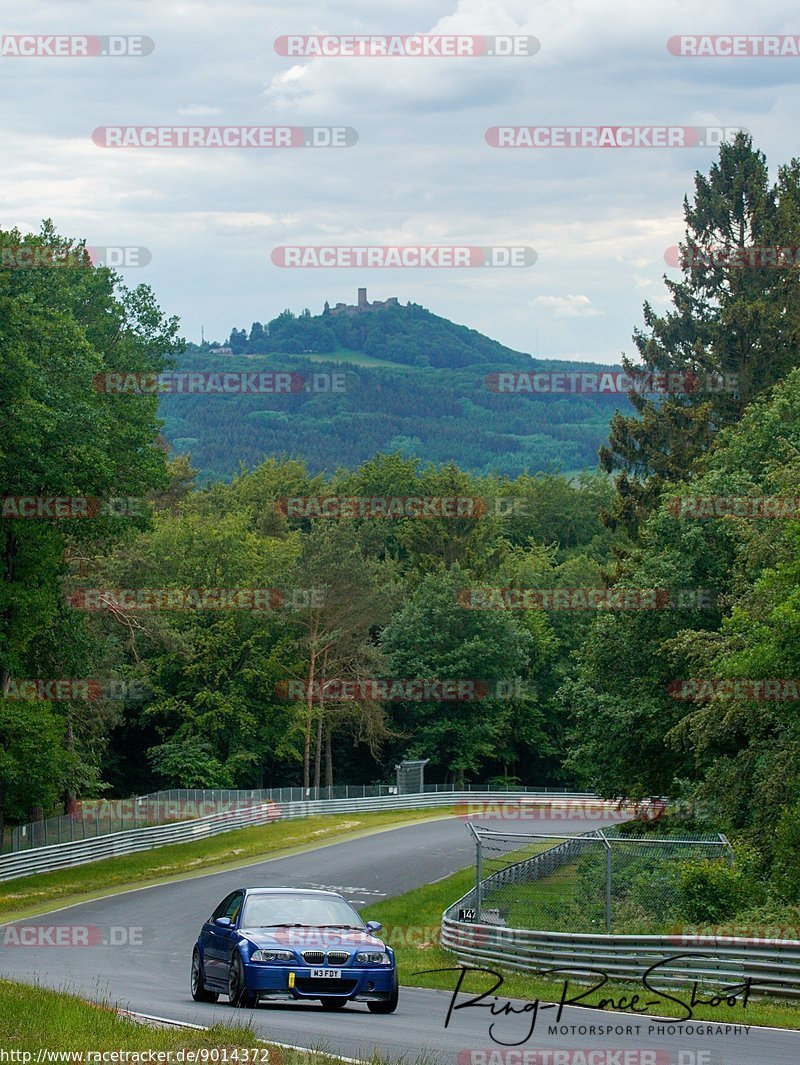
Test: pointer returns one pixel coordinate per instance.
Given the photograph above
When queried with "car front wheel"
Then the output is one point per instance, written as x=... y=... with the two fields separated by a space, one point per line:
x=388 y=1005
x=199 y=993
x=238 y=995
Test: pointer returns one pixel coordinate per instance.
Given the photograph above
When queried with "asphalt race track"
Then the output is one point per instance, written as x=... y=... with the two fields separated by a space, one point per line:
x=151 y=974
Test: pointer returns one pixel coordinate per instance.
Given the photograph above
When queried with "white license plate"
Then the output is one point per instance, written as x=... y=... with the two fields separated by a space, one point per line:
x=326 y=974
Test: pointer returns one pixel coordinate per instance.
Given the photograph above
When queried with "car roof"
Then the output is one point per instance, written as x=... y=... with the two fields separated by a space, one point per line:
x=290 y=891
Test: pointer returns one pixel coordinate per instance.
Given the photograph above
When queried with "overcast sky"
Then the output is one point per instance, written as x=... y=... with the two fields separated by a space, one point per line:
x=600 y=220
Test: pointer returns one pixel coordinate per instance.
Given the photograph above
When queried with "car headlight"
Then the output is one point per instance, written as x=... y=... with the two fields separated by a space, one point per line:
x=271 y=955
x=373 y=957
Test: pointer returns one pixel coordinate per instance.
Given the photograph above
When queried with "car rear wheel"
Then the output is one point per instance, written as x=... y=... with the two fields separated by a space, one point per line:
x=238 y=995
x=333 y=1003
x=389 y=1005
x=199 y=993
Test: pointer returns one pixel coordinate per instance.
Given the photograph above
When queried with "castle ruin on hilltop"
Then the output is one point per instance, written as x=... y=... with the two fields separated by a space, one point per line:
x=362 y=305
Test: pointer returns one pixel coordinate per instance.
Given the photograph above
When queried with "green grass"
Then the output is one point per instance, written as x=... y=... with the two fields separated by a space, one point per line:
x=412 y=922
x=31 y=895
x=356 y=358
x=32 y=1018
x=552 y=894
x=540 y=909
x=341 y=355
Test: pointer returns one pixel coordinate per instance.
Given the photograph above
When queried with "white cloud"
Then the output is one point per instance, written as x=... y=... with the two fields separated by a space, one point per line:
x=600 y=220
x=568 y=306
x=199 y=110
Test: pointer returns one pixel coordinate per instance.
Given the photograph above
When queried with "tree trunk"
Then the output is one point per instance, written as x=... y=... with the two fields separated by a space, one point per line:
x=307 y=727
x=9 y=558
x=318 y=753
x=329 y=755
x=307 y=755
x=69 y=791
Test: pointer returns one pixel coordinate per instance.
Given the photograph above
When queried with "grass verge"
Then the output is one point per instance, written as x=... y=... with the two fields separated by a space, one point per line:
x=32 y=895
x=411 y=927
x=33 y=1019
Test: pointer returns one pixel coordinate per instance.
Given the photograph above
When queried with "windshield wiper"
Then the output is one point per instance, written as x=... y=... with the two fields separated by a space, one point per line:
x=350 y=927
x=296 y=925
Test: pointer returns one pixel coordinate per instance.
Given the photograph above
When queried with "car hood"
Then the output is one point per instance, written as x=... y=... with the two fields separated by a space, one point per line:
x=311 y=939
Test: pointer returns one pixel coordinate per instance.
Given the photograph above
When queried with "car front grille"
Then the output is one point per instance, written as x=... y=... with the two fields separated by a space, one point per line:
x=338 y=957
x=307 y=986
x=313 y=957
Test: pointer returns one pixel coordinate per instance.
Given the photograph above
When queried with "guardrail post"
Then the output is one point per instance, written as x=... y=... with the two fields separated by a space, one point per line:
x=727 y=843
x=608 y=880
x=608 y=889
x=478 y=877
x=478 y=870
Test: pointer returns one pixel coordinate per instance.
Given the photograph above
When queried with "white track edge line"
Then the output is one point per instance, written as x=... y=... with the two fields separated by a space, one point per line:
x=266 y=1042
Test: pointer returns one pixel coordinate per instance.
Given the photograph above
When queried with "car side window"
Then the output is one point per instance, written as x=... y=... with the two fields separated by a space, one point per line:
x=222 y=909
x=235 y=906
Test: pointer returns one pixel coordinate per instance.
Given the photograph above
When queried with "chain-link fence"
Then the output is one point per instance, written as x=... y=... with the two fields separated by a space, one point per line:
x=100 y=817
x=599 y=881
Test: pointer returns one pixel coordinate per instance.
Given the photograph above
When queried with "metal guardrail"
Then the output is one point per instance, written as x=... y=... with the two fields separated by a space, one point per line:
x=106 y=816
x=772 y=965
x=67 y=855
x=80 y=852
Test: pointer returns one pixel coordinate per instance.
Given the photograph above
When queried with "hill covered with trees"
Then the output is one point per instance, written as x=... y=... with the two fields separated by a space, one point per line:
x=415 y=383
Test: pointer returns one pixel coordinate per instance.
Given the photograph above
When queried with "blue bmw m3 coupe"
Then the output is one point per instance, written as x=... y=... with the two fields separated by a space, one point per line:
x=285 y=943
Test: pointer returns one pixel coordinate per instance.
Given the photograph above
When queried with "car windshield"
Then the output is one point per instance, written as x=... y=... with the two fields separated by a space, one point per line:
x=308 y=911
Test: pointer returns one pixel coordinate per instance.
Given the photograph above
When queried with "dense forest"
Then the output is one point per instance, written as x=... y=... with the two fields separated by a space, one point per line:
x=679 y=680
x=413 y=383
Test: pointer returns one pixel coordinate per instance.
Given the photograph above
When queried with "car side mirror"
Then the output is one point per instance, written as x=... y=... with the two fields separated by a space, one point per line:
x=224 y=922
x=374 y=926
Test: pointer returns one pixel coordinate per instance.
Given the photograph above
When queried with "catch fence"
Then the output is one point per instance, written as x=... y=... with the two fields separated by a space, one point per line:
x=102 y=817
x=596 y=881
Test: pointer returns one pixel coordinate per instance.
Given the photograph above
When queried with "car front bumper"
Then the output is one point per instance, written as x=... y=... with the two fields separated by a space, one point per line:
x=296 y=982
